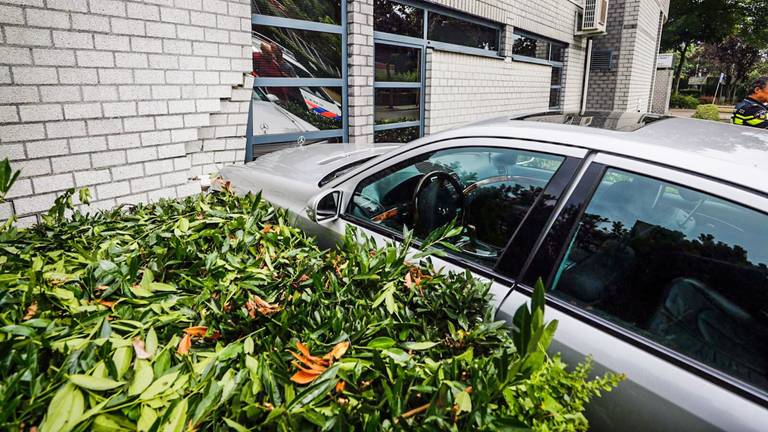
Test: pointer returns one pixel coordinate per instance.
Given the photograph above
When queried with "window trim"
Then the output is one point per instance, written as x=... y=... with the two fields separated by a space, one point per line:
x=549 y=62
x=582 y=196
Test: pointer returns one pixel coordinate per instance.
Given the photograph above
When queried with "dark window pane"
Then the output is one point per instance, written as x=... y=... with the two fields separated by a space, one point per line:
x=296 y=109
x=554 y=98
x=531 y=47
x=495 y=189
x=685 y=269
x=392 y=17
x=280 y=52
x=395 y=63
x=401 y=135
x=558 y=53
x=325 y=11
x=557 y=76
x=396 y=105
x=456 y=31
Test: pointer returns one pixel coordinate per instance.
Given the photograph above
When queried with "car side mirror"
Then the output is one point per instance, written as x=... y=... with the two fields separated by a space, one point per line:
x=325 y=207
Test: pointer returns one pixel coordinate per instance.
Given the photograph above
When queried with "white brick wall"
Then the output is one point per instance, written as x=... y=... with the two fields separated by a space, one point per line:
x=464 y=88
x=110 y=94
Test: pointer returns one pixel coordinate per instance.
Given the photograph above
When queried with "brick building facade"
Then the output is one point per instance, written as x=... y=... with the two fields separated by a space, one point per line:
x=131 y=99
x=137 y=99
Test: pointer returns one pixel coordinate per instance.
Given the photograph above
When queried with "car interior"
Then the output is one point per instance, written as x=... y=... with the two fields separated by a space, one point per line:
x=486 y=190
x=677 y=266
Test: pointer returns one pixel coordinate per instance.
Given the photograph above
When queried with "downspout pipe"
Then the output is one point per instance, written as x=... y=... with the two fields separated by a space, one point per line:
x=585 y=79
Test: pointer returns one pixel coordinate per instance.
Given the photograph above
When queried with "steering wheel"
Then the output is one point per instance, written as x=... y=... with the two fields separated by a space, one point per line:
x=446 y=196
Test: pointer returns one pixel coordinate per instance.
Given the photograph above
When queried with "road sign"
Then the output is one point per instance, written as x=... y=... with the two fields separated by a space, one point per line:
x=697 y=80
x=665 y=61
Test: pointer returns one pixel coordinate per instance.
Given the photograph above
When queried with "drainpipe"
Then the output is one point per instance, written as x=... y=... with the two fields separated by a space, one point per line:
x=585 y=79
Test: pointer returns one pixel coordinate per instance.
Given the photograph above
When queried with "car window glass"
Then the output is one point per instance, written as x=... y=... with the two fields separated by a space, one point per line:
x=683 y=268
x=485 y=190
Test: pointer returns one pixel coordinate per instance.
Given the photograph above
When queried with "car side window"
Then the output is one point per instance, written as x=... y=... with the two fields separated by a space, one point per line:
x=683 y=268
x=486 y=190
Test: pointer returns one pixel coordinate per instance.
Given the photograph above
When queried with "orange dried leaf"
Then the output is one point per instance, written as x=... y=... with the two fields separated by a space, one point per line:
x=340 y=386
x=303 y=278
x=107 y=303
x=302 y=377
x=337 y=351
x=311 y=368
x=102 y=288
x=31 y=312
x=268 y=229
x=184 y=345
x=257 y=304
x=198 y=331
x=140 y=349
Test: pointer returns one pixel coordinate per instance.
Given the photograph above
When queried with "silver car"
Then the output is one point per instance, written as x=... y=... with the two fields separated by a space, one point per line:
x=650 y=234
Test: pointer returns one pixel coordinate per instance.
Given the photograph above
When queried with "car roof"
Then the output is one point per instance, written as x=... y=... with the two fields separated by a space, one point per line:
x=734 y=154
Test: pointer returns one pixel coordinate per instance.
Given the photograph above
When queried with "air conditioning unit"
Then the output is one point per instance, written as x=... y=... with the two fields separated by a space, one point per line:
x=594 y=18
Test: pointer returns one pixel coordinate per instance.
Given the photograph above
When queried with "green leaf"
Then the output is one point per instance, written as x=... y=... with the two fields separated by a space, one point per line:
x=177 y=419
x=94 y=383
x=463 y=402
x=122 y=359
x=111 y=423
x=235 y=425
x=150 y=345
x=419 y=346
x=65 y=409
x=146 y=419
x=381 y=343
x=248 y=345
x=397 y=355
x=142 y=377
x=159 y=386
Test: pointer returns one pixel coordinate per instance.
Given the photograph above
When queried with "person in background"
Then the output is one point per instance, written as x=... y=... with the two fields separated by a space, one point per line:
x=264 y=63
x=753 y=110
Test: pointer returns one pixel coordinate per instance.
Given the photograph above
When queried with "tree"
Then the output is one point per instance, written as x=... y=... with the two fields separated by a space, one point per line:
x=692 y=22
x=734 y=56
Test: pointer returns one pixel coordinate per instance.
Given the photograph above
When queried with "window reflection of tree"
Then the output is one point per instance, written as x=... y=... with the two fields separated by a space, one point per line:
x=496 y=210
x=397 y=18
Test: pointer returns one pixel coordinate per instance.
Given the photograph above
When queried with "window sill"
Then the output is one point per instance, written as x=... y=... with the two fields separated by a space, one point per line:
x=533 y=60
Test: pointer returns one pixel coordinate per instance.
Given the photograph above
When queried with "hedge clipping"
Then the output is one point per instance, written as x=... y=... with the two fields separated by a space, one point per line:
x=213 y=314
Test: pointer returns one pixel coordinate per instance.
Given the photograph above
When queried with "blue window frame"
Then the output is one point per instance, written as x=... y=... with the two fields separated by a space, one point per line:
x=403 y=30
x=300 y=67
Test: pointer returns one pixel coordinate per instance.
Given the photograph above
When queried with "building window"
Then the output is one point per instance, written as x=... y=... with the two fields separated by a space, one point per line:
x=453 y=31
x=448 y=29
x=546 y=51
x=397 y=18
x=300 y=73
x=401 y=39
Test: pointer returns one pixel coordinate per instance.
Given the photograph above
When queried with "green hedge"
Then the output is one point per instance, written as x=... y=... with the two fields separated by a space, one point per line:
x=707 y=112
x=213 y=313
x=682 y=101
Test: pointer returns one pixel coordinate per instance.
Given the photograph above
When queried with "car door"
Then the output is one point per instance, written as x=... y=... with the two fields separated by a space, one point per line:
x=663 y=276
x=498 y=182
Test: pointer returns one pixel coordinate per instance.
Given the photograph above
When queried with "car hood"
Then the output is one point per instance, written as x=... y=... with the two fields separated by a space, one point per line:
x=289 y=178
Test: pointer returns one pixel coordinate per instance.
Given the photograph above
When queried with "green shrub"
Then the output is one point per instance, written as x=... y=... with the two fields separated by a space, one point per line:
x=707 y=112
x=691 y=92
x=213 y=313
x=682 y=101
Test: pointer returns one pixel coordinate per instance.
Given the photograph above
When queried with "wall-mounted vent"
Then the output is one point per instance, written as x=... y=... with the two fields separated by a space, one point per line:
x=602 y=61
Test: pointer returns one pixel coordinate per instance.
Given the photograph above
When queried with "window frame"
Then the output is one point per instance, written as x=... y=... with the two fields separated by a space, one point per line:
x=556 y=187
x=342 y=82
x=579 y=197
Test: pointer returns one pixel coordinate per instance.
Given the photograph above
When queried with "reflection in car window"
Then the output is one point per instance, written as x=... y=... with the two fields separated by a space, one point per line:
x=681 y=267
x=486 y=190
